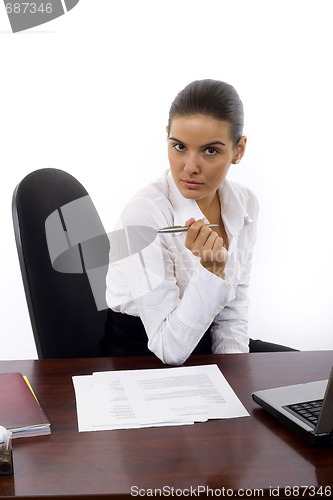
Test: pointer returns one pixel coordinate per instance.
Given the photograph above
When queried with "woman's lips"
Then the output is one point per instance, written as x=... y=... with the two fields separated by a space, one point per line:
x=189 y=184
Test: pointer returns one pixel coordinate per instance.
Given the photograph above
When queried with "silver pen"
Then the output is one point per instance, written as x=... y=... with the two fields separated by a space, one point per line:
x=179 y=229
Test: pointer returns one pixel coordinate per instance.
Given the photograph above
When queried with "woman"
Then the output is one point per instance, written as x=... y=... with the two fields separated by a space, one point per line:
x=188 y=291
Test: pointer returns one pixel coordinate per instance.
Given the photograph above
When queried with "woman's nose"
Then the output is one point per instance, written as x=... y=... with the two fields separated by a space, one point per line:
x=191 y=165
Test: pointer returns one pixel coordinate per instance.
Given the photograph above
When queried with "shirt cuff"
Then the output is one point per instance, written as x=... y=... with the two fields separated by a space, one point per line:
x=206 y=296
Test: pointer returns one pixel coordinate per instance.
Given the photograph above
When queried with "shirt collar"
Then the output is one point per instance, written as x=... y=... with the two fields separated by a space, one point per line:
x=234 y=213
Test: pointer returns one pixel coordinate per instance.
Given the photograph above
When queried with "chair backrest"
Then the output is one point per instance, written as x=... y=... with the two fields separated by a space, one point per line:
x=65 y=320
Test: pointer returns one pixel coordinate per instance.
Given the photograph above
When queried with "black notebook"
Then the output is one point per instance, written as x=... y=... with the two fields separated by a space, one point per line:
x=307 y=408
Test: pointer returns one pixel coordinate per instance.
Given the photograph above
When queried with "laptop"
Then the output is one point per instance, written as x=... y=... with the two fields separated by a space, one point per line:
x=306 y=409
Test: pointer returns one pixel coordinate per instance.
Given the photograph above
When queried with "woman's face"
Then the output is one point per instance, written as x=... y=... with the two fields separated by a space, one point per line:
x=200 y=152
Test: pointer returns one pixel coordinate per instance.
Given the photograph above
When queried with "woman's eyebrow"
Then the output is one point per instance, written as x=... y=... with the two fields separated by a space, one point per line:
x=175 y=139
x=213 y=144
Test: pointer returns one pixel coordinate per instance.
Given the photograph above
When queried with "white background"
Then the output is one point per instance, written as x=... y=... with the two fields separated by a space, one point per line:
x=90 y=92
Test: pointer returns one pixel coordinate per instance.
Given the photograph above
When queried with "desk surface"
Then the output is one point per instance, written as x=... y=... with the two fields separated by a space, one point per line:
x=249 y=453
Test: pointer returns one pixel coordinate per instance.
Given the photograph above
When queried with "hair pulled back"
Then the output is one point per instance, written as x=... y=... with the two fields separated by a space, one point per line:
x=212 y=98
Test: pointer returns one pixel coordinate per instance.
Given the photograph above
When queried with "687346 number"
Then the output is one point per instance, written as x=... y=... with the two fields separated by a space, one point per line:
x=307 y=491
x=28 y=8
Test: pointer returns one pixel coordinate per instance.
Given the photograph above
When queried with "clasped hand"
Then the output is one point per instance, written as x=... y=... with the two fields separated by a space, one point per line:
x=208 y=245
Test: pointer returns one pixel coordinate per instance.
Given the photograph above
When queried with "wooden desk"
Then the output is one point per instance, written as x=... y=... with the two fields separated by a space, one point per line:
x=255 y=453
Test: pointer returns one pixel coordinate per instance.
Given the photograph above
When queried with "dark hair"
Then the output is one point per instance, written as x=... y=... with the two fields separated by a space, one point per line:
x=212 y=98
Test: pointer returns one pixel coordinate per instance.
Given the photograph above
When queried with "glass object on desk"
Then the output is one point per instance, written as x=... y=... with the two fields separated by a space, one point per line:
x=6 y=454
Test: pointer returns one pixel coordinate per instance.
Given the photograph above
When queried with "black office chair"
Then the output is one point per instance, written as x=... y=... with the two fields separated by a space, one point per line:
x=66 y=320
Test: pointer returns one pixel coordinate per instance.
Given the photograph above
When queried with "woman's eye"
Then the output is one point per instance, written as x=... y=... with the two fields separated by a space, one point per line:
x=211 y=151
x=179 y=147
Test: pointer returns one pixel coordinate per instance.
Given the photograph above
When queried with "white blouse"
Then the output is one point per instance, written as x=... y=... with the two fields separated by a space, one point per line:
x=176 y=298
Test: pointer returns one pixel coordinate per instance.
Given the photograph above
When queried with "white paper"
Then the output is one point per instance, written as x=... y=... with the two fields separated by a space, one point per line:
x=83 y=394
x=84 y=405
x=166 y=396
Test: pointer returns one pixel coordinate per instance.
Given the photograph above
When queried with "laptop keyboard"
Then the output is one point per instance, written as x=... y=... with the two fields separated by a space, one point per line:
x=308 y=411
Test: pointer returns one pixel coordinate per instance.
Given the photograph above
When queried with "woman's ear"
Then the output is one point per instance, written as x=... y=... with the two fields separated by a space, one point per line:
x=240 y=149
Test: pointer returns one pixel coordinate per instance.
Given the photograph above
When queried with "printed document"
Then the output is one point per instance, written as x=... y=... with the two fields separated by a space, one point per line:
x=166 y=396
